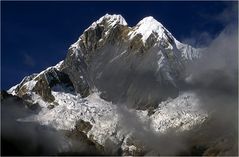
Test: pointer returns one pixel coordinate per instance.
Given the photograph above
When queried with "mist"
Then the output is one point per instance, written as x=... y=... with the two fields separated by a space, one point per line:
x=150 y=141
x=32 y=138
x=214 y=78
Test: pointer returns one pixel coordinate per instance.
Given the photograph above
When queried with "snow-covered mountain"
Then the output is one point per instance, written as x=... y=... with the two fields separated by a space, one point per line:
x=113 y=77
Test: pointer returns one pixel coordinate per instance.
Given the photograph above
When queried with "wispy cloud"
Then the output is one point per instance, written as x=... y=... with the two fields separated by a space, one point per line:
x=198 y=39
x=28 y=60
x=228 y=16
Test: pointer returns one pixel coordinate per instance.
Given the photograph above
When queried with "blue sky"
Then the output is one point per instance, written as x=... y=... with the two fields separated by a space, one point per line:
x=36 y=35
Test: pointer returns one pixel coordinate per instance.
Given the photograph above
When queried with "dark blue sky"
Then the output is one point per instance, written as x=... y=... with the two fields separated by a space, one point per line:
x=36 y=35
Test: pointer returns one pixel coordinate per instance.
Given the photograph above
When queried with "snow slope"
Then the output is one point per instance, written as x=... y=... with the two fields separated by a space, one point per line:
x=182 y=112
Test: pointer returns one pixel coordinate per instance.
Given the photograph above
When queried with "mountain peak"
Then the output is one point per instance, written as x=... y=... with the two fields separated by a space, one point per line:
x=149 y=20
x=111 y=19
x=115 y=17
x=149 y=25
x=145 y=27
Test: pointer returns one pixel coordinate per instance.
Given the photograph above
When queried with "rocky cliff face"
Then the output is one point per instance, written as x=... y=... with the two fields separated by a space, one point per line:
x=116 y=59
